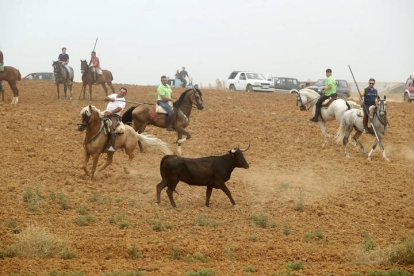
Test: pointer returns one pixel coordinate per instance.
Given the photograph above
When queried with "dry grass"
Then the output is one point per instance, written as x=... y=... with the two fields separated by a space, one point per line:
x=37 y=242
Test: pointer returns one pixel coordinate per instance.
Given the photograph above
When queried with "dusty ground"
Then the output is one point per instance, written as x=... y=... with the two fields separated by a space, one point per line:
x=342 y=198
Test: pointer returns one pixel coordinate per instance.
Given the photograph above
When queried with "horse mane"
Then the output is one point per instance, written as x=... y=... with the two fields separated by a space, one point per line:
x=127 y=116
x=86 y=110
x=180 y=100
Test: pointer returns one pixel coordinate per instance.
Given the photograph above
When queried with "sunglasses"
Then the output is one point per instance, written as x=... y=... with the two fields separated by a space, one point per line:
x=372 y=83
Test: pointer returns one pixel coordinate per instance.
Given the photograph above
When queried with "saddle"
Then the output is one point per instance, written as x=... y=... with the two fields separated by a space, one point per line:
x=119 y=128
x=160 y=109
x=328 y=102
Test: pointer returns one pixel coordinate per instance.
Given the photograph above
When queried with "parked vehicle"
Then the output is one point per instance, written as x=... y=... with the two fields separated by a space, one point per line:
x=40 y=76
x=409 y=89
x=282 y=83
x=342 y=87
x=249 y=81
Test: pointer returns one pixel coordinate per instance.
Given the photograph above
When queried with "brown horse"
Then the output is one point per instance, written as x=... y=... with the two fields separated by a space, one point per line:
x=142 y=115
x=96 y=139
x=63 y=76
x=87 y=79
x=11 y=75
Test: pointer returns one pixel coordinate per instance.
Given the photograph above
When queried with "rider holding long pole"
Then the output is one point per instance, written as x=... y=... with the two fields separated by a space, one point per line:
x=369 y=95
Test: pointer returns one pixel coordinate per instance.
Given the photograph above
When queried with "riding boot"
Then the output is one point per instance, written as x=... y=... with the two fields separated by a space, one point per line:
x=365 y=122
x=112 y=142
x=316 y=116
x=94 y=77
x=168 y=123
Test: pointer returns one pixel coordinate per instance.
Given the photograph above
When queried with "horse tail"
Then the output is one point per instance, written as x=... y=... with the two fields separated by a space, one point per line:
x=19 y=76
x=151 y=140
x=127 y=116
x=347 y=123
x=112 y=77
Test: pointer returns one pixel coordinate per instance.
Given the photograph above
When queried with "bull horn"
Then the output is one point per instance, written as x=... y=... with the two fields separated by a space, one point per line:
x=245 y=149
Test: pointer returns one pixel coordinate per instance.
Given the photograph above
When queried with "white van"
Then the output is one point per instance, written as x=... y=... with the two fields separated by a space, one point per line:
x=249 y=81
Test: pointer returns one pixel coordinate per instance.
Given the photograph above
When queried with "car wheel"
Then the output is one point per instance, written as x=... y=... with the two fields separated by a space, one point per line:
x=249 y=88
x=406 y=98
x=232 y=87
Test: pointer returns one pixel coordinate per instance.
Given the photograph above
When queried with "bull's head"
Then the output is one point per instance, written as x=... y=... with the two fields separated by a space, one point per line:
x=239 y=160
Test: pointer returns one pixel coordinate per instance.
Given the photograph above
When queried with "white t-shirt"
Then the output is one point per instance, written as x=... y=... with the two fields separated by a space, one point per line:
x=119 y=102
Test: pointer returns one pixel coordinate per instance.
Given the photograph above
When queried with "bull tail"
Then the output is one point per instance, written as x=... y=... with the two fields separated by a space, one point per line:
x=148 y=139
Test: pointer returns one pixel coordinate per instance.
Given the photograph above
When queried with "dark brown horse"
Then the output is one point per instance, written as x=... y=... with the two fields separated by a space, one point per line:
x=11 y=75
x=96 y=139
x=144 y=114
x=65 y=77
x=87 y=79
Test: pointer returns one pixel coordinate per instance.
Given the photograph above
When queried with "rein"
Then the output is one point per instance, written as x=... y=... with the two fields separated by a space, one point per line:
x=85 y=142
x=383 y=119
x=304 y=107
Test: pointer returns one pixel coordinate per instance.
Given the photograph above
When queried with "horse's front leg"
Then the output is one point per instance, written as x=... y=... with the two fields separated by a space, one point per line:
x=58 y=91
x=95 y=163
x=90 y=91
x=323 y=132
x=85 y=163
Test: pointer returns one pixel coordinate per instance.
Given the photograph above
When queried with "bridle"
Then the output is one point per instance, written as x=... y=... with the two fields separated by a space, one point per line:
x=381 y=113
x=302 y=106
x=85 y=122
x=198 y=99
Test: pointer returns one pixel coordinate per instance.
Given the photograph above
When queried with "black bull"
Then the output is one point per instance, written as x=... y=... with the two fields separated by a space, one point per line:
x=212 y=171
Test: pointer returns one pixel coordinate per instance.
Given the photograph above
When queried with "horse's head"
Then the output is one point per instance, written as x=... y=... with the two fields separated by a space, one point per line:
x=198 y=98
x=57 y=67
x=88 y=114
x=301 y=100
x=84 y=66
x=381 y=106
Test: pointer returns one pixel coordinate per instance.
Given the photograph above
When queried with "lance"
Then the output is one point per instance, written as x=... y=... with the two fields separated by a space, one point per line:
x=365 y=109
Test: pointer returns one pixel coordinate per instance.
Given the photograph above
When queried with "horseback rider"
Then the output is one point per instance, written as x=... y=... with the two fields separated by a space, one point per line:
x=95 y=66
x=164 y=95
x=328 y=91
x=369 y=95
x=64 y=58
x=116 y=103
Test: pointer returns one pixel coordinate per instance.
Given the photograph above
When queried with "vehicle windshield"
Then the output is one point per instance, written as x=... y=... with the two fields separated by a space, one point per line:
x=255 y=76
x=320 y=82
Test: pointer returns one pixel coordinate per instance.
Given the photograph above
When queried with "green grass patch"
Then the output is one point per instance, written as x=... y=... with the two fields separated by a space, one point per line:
x=316 y=235
x=201 y=220
x=84 y=220
x=133 y=252
x=202 y=272
x=32 y=198
x=368 y=243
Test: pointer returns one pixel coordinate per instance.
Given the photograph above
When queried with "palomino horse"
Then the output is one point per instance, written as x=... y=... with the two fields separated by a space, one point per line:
x=87 y=80
x=353 y=119
x=308 y=97
x=63 y=76
x=11 y=75
x=144 y=114
x=96 y=139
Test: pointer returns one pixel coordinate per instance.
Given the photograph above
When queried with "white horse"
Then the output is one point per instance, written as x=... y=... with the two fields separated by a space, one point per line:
x=306 y=98
x=352 y=119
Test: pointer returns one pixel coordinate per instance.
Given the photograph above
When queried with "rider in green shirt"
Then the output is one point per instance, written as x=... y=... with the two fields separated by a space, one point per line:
x=328 y=91
x=164 y=95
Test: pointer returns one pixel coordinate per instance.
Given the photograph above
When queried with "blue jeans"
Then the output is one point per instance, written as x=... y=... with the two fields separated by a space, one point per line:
x=166 y=107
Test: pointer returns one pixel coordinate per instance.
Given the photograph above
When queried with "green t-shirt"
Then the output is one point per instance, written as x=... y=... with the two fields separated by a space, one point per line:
x=163 y=90
x=330 y=80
